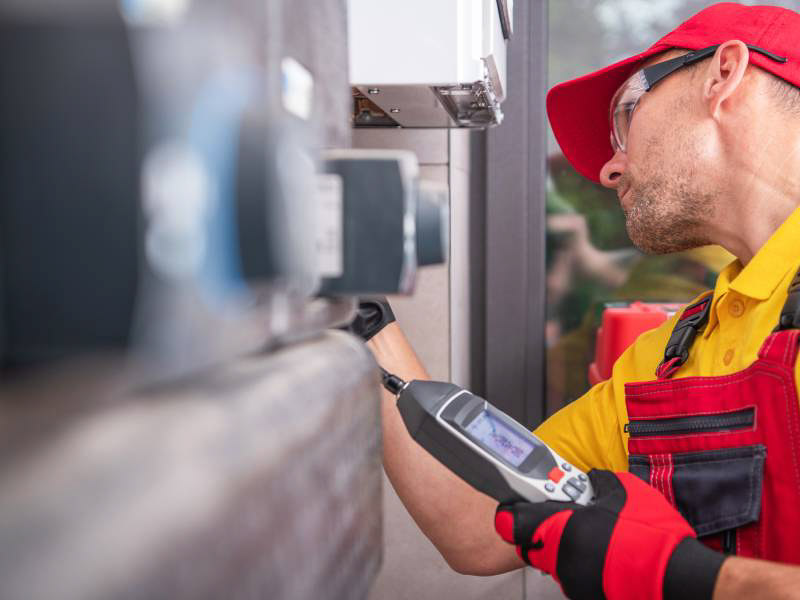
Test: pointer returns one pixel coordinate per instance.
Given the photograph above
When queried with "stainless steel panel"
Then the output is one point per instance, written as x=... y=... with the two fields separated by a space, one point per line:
x=459 y=140
x=460 y=267
x=255 y=479
x=430 y=145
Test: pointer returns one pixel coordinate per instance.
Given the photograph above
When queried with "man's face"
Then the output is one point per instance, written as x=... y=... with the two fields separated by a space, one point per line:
x=662 y=189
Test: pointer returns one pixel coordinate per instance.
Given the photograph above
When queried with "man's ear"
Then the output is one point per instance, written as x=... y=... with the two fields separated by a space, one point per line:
x=725 y=74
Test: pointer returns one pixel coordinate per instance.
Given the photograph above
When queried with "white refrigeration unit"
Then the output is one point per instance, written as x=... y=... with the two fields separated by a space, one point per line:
x=428 y=63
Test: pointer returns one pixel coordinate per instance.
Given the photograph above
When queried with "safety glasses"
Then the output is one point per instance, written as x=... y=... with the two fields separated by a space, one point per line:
x=629 y=93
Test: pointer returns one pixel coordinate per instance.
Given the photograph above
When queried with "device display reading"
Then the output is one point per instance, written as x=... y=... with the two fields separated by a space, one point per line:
x=494 y=434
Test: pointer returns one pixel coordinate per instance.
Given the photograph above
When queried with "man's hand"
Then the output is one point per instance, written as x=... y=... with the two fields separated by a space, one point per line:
x=372 y=316
x=630 y=543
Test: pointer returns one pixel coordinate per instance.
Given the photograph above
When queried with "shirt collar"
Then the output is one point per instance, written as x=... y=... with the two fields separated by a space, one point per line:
x=759 y=278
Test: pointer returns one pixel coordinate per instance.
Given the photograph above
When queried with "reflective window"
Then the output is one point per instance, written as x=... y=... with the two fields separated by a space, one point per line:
x=591 y=263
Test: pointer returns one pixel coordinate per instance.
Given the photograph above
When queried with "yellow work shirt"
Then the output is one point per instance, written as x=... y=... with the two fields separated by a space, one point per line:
x=745 y=308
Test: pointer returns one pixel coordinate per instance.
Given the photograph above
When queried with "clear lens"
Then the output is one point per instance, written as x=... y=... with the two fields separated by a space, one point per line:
x=622 y=106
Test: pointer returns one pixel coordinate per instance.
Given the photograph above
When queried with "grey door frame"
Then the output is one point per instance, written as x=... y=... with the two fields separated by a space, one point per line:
x=514 y=228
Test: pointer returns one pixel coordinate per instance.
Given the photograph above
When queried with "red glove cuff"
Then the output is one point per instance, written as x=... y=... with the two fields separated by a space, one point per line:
x=534 y=550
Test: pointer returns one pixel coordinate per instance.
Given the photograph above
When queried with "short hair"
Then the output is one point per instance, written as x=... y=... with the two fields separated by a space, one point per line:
x=786 y=94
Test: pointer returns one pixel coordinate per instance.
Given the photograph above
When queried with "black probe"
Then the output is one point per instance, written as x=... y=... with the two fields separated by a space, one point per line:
x=391 y=382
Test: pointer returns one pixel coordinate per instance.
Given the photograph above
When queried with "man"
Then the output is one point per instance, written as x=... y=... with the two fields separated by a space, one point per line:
x=705 y=149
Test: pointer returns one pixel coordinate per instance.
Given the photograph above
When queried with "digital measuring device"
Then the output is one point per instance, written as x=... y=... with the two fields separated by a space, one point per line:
x=484 y=446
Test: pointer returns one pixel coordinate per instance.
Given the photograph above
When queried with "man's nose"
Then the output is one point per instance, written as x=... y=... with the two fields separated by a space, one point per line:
x=612 y=171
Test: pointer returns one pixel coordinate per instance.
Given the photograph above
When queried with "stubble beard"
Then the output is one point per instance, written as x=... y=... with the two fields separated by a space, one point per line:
x=667 y=214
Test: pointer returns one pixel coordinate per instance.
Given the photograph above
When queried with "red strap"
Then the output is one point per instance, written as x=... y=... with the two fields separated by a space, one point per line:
x=669 y=368
x=781 y=347
x=693 y=310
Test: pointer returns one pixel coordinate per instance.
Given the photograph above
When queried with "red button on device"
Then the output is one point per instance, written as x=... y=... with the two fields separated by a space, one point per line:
x=555 y=474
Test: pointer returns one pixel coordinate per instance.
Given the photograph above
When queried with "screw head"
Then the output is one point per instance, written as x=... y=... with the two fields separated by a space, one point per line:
x=394 y=111
x=374 y=91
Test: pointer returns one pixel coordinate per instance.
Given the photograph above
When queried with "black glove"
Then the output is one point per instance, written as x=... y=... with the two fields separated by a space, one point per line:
x=373 y=315
x=629 y=544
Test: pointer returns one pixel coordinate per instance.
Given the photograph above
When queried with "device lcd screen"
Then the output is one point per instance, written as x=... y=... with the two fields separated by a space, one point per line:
x=495 y=434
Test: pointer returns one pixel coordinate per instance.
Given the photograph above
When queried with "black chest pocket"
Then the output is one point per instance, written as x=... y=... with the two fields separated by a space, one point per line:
x=714 y=490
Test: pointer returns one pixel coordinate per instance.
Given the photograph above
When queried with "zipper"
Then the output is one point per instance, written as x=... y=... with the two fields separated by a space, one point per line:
x=741 y=419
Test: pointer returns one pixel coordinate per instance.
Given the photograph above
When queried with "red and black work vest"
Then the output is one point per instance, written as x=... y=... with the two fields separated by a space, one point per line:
x=725 y=451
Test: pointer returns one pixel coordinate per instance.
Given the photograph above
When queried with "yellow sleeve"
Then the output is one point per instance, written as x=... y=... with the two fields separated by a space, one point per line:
x=589 y=432
x=586 y=432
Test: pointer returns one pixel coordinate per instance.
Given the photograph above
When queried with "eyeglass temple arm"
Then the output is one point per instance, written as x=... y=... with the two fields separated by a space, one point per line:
x=655 y=73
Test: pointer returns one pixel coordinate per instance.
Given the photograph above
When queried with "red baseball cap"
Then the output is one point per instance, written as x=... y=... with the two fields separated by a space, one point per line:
x=578 y=109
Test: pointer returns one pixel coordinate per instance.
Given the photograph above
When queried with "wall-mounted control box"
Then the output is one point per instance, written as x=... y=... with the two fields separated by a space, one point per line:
x=418 y=63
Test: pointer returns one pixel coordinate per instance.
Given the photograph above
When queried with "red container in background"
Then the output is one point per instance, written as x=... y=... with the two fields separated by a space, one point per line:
x=621 y=325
